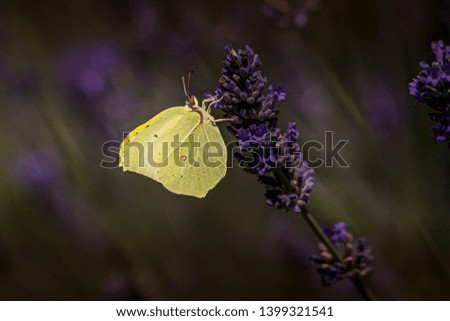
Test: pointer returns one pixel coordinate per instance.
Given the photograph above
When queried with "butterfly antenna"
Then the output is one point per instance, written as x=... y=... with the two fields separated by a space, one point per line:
x=184 y=86
x=187 y=89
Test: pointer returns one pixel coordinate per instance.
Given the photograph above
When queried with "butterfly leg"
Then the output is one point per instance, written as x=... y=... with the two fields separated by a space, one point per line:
x=210 y=101
x=223 y=119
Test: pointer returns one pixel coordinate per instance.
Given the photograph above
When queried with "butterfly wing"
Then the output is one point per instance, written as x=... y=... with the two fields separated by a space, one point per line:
x=143 y=150
x=198 y=164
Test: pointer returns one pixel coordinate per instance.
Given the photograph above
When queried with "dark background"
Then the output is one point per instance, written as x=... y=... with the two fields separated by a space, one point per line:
x=75 y=74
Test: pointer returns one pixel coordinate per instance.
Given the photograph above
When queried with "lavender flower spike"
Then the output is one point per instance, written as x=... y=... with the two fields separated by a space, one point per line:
x=357 y=258
x=265 y=150
x=432 y=87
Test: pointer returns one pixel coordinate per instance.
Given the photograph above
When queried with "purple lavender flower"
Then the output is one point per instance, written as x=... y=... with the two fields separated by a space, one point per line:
x=40 y=173
x=275 y=157
x=356 y=256
x=289 y=13
x=243 y=87
x=97 y=79
x=86 y=72
x=378 y=100
x=38 y=170
x=337 y=233
x=146 y=23
x=432 y=87
x=250 y=103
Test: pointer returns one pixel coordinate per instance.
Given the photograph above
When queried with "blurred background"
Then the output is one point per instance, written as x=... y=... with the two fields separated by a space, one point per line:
x=75 y=74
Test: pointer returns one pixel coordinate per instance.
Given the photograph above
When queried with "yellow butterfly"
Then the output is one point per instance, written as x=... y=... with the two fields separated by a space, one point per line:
x=181 y=148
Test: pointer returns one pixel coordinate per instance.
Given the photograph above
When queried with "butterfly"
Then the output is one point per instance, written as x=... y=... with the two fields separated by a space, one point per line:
x=181 y=148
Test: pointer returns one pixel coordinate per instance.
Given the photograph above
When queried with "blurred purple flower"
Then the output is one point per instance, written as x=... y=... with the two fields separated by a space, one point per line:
x=40 y=173
x=146 y=24
x=289 y=13
x=38 y=170
x=85 y=72
x=175 y=32
x=114 y=109
x=385 y=113
x=180 y=43
x=98 y=79
x=432 y=87
x=337 y=233
x=356 y=255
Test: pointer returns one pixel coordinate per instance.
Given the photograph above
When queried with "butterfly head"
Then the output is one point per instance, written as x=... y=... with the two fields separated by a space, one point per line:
x=191 y=101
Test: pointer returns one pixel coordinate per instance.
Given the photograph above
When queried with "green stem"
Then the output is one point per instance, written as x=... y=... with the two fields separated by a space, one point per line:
x=279 y=174
x=362 y=289
x=321 y=235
